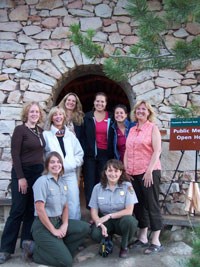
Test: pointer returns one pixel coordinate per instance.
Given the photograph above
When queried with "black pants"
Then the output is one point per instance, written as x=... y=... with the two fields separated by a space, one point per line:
x=147 y=210
x=22 y=210
x=92 y=170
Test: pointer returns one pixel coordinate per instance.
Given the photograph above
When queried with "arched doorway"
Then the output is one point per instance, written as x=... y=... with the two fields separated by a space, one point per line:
x=87 y=86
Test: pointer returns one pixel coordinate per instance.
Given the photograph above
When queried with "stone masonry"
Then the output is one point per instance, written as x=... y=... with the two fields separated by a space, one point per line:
x=37 y=59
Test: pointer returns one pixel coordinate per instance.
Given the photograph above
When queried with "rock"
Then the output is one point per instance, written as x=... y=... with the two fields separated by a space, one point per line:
x=43 y=78
x=49 y=69
x=103 y=11
x=8 y=85
x=10 y=27
x=50 y=23
x=6 y=126
x=92 y=23
x=31 y=30
x=181 y=90
x=60 y=33
x=14 y=97
x=180 y=248
x=165 y=82
x=193 y=28
x=50 y=5
x=7 y=35
x=40 y=97
x=115 y=38
x=69 y=61
x=38 y=54
x=174 y=187
x=3 y=16
x=60 y=12
x=181 y=33
x=20 y=13
x=11 y=46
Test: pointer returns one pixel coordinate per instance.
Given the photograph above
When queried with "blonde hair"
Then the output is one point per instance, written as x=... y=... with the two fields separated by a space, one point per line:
x=52 y=112
x=151 y=116
x=77 y=114
x=26 y=108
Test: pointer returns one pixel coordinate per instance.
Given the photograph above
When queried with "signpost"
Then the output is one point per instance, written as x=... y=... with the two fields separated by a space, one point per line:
x=185 y=134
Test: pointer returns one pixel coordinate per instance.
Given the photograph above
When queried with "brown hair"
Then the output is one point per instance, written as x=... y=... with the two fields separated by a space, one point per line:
x=122 y=107
x=151 y=116
x=77 y=114
x=116 y=164
x=48 y=158
x=102 y=94
x=26 y=108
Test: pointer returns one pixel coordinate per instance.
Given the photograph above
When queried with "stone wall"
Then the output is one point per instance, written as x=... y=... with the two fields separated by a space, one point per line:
x=37 y=60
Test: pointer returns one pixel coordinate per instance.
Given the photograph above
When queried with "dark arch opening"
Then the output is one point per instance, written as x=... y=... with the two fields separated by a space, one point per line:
x=87 y=86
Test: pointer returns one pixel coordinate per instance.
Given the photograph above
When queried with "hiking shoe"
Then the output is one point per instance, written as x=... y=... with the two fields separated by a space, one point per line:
x=123 y=252
x=28 y=246
x=4 y=256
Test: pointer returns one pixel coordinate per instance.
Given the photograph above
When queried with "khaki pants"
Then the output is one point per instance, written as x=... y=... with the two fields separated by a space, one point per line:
x=50 y=250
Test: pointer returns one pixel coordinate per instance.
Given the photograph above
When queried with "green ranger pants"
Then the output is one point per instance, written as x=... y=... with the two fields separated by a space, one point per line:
x=125 y=226
x=50 y=250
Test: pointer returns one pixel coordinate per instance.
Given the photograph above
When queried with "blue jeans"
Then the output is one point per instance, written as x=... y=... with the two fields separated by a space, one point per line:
x=22 y=210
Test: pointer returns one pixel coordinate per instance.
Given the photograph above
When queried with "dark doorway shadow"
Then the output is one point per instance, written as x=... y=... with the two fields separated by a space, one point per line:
x=87 y=86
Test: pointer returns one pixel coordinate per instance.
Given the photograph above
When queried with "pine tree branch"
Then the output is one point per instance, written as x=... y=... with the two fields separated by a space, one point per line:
x=147 y=53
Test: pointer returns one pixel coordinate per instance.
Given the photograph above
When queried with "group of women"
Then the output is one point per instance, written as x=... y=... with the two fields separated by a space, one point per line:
x=114 y=191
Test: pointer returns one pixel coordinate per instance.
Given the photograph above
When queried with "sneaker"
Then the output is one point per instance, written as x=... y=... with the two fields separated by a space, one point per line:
x=123 y=252
x=28 y=246
x=4 y=256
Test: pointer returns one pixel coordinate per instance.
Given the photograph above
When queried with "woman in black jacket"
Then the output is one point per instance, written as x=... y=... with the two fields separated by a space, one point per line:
x=97 y=143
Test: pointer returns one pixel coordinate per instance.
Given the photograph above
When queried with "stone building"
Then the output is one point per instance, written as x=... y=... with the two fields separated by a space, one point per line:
x=38 y=62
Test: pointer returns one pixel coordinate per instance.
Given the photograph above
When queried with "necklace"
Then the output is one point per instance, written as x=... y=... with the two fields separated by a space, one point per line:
x=36 y=133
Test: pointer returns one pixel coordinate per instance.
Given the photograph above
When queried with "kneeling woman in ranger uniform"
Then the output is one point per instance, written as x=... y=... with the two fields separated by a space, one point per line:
x=56 y=238
x=111 y=204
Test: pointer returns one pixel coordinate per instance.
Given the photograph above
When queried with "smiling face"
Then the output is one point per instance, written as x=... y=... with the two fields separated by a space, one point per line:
x=142 y=113
x=54 y=166
x=58 y=119
x=33 y=115
x=70 y=103
x=100 y=103
x=120 y=115
x=113 y=175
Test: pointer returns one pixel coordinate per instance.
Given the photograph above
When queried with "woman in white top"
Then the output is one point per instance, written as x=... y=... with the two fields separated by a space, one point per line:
x=58 y=138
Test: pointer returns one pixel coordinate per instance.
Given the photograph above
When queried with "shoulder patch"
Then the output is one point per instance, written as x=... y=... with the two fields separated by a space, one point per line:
x=130 y=189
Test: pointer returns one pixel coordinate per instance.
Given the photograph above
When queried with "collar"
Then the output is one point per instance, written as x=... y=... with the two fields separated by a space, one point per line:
x=54 y=129
x=116 y=187
x=143 y=126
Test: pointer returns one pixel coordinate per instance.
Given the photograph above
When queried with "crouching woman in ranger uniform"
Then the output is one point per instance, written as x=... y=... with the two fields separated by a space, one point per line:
x=60 y=139
x=111 y=204
x=56 y=238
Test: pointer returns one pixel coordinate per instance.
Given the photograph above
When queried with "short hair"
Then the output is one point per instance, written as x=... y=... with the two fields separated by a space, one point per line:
x=122 y=107
x=53 y=111
x=116 y=164
x=151 y=116
x=48 y=158
x=26 y=108
x=77 y=114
